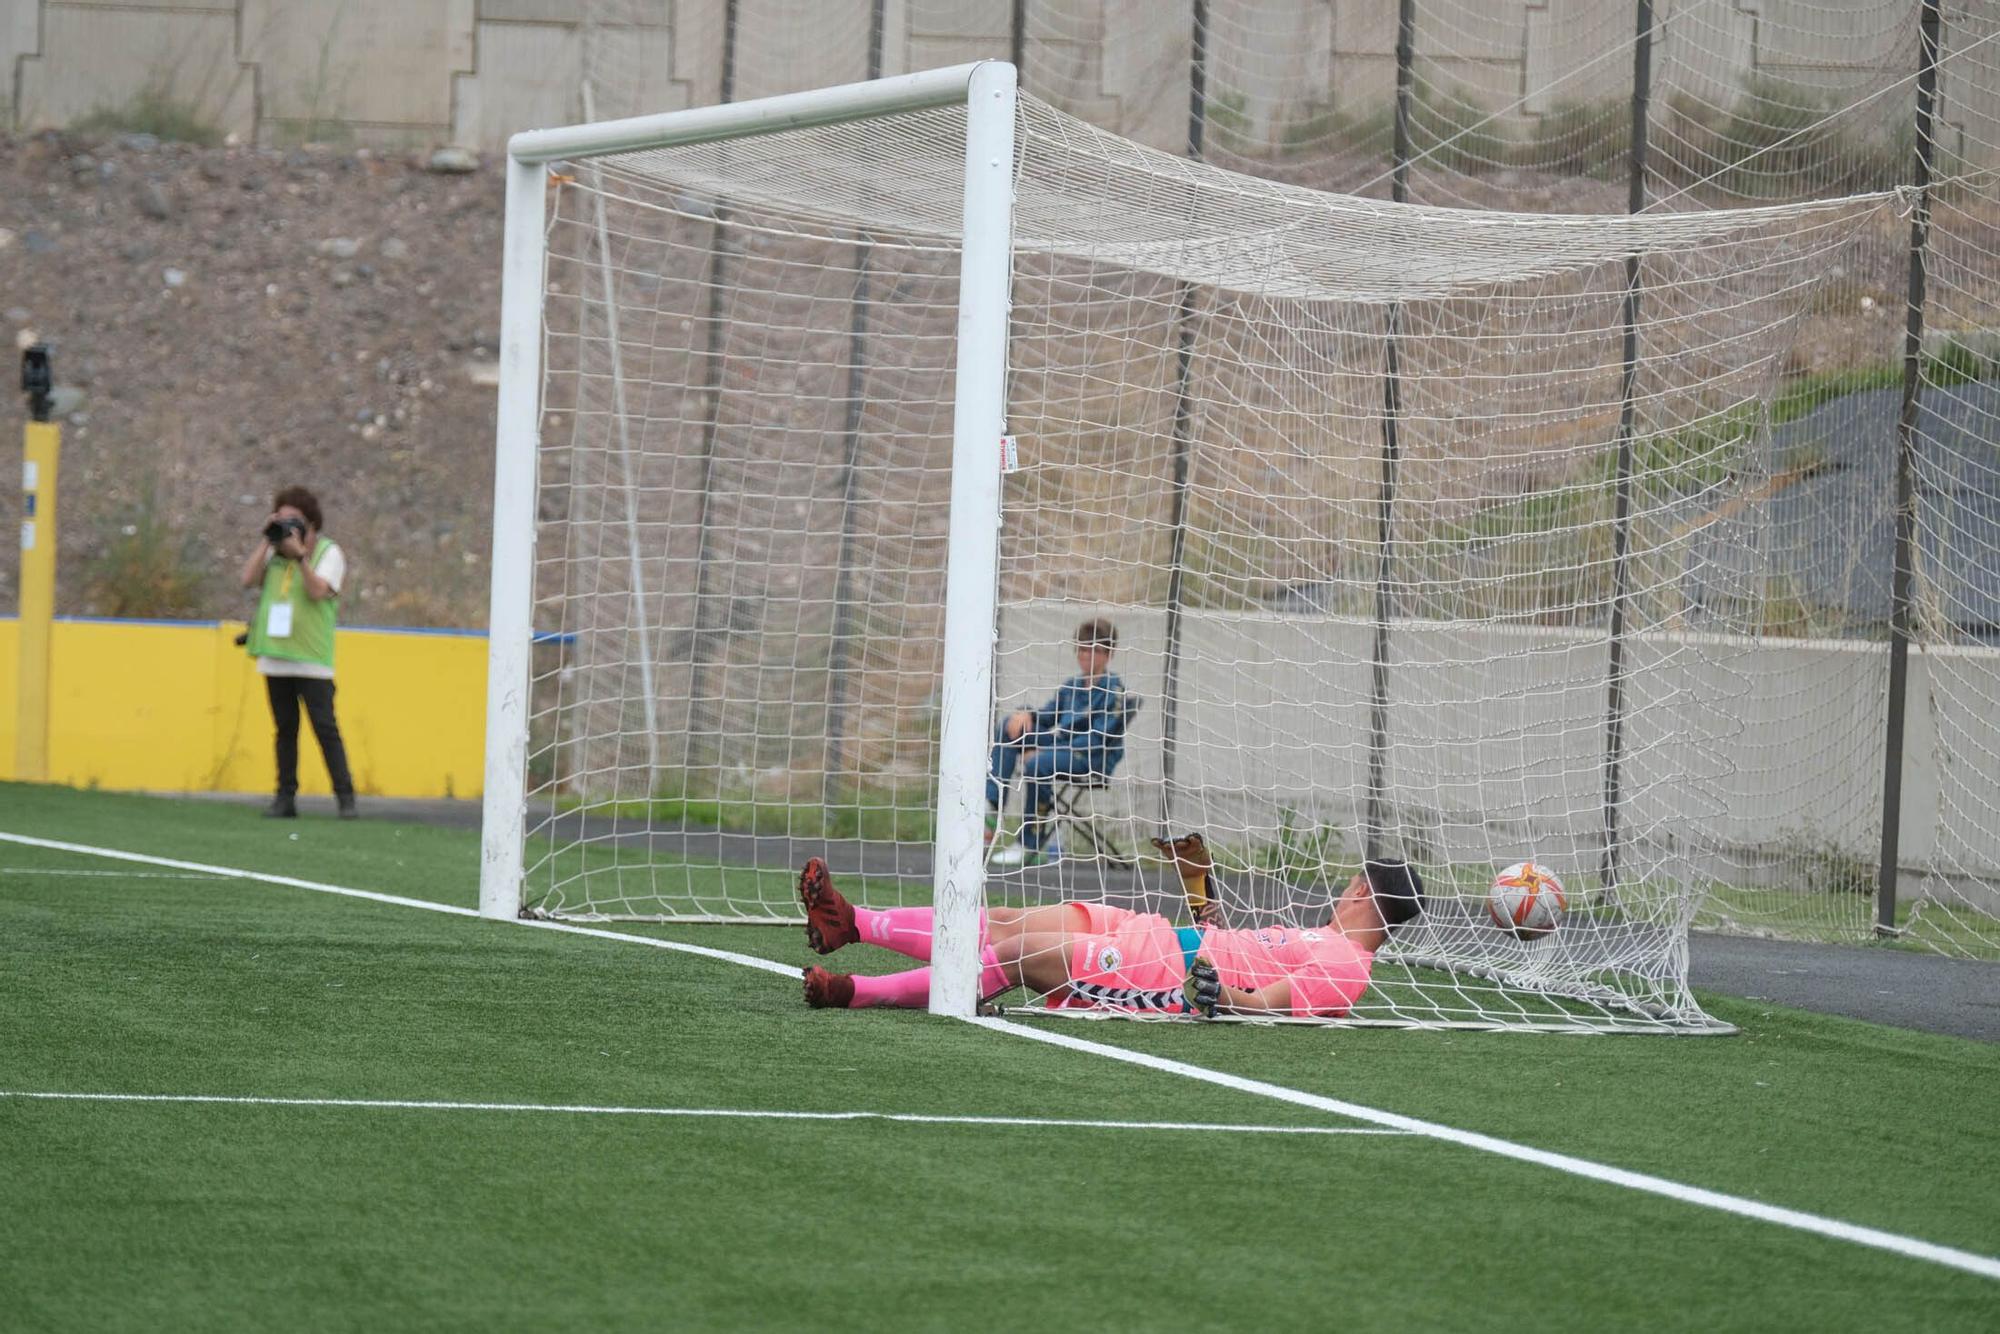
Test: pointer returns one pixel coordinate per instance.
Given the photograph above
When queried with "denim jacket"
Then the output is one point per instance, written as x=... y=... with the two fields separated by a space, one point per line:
x=1087 y=715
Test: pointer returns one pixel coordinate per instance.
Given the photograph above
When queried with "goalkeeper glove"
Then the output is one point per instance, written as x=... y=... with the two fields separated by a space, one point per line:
x=1203 y=988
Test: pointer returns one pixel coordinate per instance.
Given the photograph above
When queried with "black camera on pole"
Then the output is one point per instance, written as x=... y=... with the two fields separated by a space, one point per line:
x=276 y=531
x=38 y=380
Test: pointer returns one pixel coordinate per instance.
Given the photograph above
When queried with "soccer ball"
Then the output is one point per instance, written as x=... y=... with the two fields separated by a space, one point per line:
x=1526 y=901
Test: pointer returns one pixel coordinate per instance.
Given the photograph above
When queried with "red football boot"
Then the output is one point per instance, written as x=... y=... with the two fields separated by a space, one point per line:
x=829 y=991
x=829 y=917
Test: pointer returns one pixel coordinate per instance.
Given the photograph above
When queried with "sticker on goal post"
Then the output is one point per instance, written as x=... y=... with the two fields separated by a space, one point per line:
x=1010 y=456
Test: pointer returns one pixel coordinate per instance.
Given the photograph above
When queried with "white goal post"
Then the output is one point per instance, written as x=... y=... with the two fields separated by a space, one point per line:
x=1392 y=531
x=987 y=91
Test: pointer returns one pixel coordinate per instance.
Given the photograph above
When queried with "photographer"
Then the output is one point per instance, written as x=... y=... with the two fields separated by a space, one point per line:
x=291 y=636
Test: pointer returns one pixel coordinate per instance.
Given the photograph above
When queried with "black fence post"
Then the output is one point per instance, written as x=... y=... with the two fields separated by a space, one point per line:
x=1183 y=431
x=1621 y=522
x=1376 y=819
x=1017 y=41
x=1903 y=615
x=840 y=652
x=700 y=649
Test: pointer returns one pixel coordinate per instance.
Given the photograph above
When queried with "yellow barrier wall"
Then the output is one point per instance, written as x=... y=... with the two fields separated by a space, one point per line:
x=174 y=706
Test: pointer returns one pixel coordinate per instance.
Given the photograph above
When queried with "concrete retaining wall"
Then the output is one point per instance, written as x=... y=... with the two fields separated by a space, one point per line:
x=421 y=72
x=1761 y=754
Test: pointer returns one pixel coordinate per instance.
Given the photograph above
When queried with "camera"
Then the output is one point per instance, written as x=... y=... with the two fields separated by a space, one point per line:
x=37 y=380
x=276 y=531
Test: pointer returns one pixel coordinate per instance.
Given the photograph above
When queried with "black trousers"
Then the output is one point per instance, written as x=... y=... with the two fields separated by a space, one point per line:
x=286 y=692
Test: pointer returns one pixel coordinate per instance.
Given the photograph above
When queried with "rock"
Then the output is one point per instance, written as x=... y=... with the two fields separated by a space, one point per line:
x=173 y=277
x=211 y=171
x=83 y=164
x=39 y=243
x=153 y=202
x=694 y=206
x=106 y=170
x=453 y=161
x=394 y=248
x=343 y=278
x=65 y=399
x=140 y=142
x=339 y=247
x=252 y=183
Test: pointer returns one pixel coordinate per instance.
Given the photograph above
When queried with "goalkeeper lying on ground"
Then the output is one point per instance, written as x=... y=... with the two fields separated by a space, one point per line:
x=1094 y=954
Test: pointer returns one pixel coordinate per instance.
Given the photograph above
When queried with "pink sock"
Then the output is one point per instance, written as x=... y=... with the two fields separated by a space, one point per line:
x=910 y=990
x=992 y=978
x=904 y=930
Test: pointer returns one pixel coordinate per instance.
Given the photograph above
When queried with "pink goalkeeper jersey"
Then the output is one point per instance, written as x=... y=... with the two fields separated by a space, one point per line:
x=1328 y=972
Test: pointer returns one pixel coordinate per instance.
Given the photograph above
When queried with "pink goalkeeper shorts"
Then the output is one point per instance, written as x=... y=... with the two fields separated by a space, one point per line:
x=1127 y=949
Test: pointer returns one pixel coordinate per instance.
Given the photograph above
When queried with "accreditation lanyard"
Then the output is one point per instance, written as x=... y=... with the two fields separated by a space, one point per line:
x=278 y=616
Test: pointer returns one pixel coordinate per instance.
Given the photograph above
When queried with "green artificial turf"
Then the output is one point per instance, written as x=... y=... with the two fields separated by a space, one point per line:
x=157 y=1215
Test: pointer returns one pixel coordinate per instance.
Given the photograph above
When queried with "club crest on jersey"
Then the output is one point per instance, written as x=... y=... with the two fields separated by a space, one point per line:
x=1110 y=959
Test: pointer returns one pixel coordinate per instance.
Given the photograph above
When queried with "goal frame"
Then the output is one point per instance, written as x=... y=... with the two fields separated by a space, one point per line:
x=987 y=90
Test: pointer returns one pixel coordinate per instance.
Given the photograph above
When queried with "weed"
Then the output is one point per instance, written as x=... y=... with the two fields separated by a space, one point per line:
x=1826 y=868
x=156 y=110
x=1303 y=853
x=1581 y=139
x=1229 y=121
x=1780 y=139
x=1451 y=129
x=146 y=567
x=318 y=95
x=1318 y=122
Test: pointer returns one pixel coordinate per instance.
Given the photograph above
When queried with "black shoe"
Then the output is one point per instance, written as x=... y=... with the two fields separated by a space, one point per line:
x=281 y=808
x=347 y=811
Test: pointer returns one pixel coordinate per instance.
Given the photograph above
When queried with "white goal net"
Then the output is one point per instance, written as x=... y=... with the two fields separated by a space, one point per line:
x=1424 y=533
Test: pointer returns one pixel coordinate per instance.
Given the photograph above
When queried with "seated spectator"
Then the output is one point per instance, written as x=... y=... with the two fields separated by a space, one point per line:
x=1080 y=733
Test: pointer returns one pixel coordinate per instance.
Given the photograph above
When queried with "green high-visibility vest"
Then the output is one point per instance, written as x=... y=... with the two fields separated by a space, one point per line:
x=311 y=639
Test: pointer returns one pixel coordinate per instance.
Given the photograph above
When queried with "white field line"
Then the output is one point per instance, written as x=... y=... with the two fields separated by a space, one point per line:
x=1909 y=1247
x=1617 y=1176
x=722 y=1113
x=111 y=875
x=395 y=900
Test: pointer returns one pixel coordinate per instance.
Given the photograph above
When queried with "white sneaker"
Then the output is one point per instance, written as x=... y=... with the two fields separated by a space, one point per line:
x=1020 y=854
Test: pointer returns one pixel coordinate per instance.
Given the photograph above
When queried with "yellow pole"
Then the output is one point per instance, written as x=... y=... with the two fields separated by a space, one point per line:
x=38 y=597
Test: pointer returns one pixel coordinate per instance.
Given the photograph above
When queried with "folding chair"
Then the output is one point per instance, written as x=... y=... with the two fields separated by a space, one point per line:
x=1072 y=803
